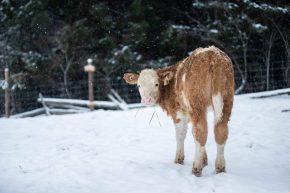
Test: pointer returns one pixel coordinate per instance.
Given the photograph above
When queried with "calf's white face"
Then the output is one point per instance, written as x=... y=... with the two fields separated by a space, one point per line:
x=148 y=83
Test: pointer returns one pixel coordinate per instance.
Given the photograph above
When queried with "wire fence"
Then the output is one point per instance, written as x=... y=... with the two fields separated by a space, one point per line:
x=26 y=99
x=257 y=79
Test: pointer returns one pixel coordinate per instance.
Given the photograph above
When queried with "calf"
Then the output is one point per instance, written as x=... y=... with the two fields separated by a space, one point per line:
x=186 y=91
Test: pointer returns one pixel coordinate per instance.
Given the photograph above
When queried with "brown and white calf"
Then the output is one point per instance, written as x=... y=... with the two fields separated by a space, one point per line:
x=186 y=91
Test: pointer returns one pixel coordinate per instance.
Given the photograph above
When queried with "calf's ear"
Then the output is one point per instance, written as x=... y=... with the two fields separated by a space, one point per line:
x=131 y=78
x=166 y=76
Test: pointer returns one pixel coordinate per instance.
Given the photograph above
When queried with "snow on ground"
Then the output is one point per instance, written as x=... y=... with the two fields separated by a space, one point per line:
x=114 y=151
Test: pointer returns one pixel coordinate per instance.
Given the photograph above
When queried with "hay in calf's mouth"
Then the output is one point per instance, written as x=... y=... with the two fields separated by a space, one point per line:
x=154 y=112
x=156 y=116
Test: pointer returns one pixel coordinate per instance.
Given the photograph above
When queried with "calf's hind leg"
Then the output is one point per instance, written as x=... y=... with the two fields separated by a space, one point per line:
x=200 y=137
x=221 y=133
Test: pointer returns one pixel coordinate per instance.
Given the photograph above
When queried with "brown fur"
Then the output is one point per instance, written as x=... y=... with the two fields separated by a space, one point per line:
x=196 y=79
x=208 y=72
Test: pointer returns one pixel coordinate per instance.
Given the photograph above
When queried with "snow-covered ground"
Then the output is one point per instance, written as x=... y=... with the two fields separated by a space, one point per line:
x=114 y=151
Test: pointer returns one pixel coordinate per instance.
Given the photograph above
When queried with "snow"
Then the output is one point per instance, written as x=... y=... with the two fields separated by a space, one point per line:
x=118 y=151
x=181 y=27
x=214 y=31
x=259 y=27
x=266 y=7
x=3 y=84
x=125 y=48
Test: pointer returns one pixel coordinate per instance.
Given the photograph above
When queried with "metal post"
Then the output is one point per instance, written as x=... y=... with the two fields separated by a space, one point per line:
x=90 y=69
x=7 y=97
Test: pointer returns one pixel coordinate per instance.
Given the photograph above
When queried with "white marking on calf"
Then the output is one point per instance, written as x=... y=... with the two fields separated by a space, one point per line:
x=183 y=77
x=147 y=75
x=220 y=159
x=217 y=102
x=185 y=100
x=199 y=153
x=180 y=65
x=147 y=80
x=181 y=130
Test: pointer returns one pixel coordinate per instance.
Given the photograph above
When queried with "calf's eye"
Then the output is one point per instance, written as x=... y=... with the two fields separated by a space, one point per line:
x=156 y=84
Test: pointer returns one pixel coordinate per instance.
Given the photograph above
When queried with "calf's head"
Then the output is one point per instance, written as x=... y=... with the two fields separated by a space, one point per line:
x=149 y=83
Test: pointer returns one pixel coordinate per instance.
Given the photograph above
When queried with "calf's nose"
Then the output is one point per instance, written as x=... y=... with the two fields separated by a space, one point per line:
x=147 y=100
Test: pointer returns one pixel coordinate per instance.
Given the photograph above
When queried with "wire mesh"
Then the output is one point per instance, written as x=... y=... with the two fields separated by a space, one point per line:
x=26 y=99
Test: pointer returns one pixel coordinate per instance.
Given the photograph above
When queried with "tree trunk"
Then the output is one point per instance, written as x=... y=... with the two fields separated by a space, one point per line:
x=267 y=74
x=268 y=59
x=245 y=77
x=287 y=50
x=65 y=70
x=65 y=82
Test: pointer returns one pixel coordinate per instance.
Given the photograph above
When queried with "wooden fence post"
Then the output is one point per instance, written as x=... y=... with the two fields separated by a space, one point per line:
x=7 y=96
x=90 y=69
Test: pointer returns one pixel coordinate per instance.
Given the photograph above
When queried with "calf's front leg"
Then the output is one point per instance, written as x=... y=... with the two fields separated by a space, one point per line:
x=181 y=130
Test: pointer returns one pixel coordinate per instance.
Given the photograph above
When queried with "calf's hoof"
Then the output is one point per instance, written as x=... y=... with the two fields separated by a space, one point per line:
x=179 y=160
x=197 y=171
x=220 y=169
x=220 y=166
